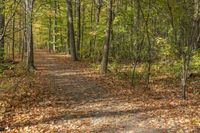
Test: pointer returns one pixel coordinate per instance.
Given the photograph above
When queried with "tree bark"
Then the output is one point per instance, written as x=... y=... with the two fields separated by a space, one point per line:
x=13 y=39
x=78 y=26
x=104 y=62
x=71 y=30
x=49 y=35
x=98 y=11
x=29 y=35
x=197 y=19
x=55 y=26
x=2 y=23
x=50 y=31
x=68 y=39
x=82 y=28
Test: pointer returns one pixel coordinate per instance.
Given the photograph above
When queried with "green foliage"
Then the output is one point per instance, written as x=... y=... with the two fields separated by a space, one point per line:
x=5 y=66
x=95 y=66
x=195 y=61
x=155 y=33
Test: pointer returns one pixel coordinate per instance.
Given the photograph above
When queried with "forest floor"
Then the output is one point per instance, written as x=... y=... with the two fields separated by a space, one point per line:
x=66 y=96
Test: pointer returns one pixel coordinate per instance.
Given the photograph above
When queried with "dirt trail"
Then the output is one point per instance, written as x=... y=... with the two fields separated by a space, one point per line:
x=65 y=96
x=76 y=104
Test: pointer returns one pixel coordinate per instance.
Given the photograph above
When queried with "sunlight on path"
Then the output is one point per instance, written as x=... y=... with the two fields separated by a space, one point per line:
x=79 y=104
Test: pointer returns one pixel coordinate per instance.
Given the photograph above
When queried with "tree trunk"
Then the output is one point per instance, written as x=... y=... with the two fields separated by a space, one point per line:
x=184 y=75
x=82 y=28
x=68 y=39
x=104 y=62
x=71 y=30
x=138 y=46
x=197 y=19
x=29 y=35
x=55 y=26
x=2 y=22
x=50 y=31
x=49 y=35
x=13 y=39
x=91 y=24
x=60 y=29
x=78 y=26
x=98 y=11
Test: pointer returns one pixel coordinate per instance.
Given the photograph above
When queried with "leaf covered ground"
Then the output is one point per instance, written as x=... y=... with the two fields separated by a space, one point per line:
x=66 y=96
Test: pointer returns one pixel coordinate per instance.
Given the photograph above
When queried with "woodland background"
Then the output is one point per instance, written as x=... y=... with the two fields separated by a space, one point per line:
x=134 y=41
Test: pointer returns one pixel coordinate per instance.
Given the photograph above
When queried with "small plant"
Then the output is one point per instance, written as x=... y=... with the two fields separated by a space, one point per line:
x=5 y=66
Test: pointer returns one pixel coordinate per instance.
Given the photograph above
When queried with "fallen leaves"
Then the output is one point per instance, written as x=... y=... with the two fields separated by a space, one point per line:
x=75 y=98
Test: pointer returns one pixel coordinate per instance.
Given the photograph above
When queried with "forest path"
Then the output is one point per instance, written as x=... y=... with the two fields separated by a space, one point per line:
x=75 y=103
x=83 y=105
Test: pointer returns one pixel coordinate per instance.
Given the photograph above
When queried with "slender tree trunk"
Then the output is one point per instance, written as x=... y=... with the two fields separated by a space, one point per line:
x=83 y=28
x=49 y=34
x=2 y=22
x=98 y=4
x=55 y=26
x=197 y=19
x=138 y=45
x=104 y=62
x=60 y=29
x=29 y=35
x=149 y=54
x=98 y=11
x=191 y=39
x=20 y=34
x=13 y=39
x=78 y=26
x=184 y=75
x=20 y=37
x=68 y=38
x=24 y=56
x=71 y=30
x=91 y=24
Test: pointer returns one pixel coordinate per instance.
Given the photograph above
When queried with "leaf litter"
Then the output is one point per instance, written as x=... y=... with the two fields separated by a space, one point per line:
x=66 y=96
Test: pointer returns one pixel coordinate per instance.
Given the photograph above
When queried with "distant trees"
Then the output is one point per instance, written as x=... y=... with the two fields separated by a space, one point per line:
x=6 y=17
x=2 y=22
x=146 y=32
x=185 y=28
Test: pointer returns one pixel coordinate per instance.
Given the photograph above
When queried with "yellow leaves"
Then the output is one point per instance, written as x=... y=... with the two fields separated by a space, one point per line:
x=160 y=40
x=37 y=25
x=93 y=33
x=196 y=121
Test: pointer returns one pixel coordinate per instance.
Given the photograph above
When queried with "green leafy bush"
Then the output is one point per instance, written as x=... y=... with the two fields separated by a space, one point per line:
x=4 y=66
